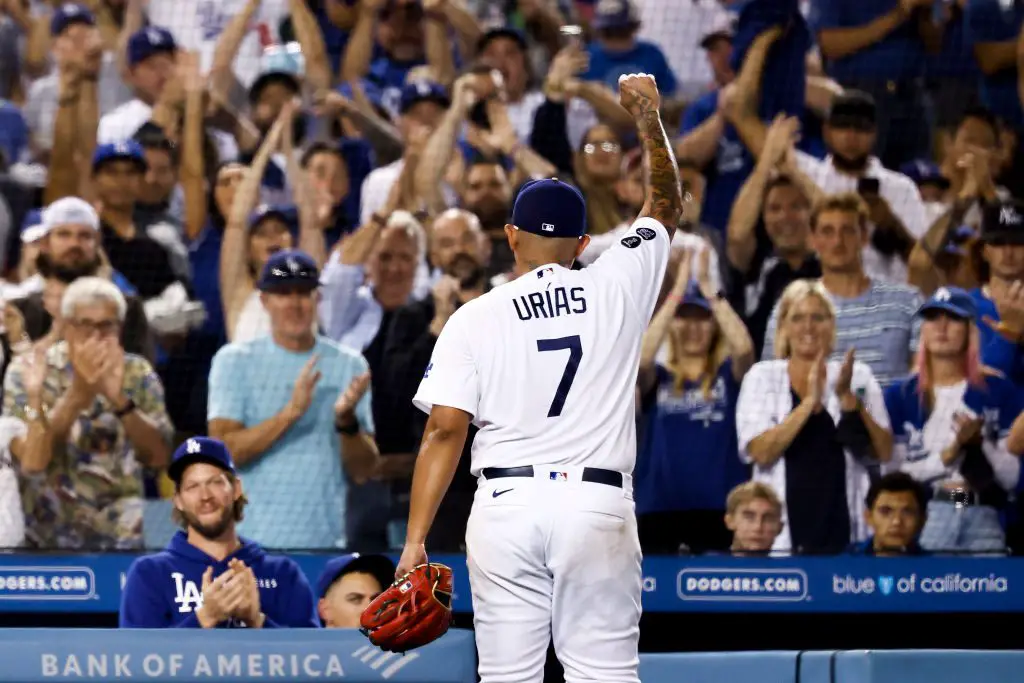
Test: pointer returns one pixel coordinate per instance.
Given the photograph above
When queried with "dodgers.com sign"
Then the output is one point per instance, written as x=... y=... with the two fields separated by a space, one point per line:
x=47 y=583
x=778 y=585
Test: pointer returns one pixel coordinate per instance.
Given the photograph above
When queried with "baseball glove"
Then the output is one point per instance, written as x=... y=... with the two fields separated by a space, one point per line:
x=413 y=611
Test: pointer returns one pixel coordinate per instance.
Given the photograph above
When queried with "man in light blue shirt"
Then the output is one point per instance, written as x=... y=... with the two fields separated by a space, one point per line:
x=294 y=409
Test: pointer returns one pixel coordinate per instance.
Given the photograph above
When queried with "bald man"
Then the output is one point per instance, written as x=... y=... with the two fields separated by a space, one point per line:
x=459 y=251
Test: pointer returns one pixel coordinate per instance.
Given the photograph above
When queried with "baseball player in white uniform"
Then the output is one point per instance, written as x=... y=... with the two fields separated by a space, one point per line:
x=546 y=366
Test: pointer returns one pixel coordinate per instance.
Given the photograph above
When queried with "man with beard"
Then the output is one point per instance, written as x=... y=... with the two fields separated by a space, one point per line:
x=69 y=249
x=208 y=576
x=487 y=194
x=457 y=250
x=894 y=203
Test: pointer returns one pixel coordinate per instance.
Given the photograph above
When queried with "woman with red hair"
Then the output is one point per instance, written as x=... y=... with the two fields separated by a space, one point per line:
x=950 y=421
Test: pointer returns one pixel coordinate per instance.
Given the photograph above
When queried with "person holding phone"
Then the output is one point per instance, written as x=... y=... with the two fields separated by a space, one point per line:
x=896 y=213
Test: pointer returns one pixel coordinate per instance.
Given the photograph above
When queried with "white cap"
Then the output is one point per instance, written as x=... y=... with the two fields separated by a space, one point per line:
x=70 y=211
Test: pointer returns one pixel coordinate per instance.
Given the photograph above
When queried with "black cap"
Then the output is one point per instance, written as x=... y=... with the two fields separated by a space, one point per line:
x=289 y=269
x=853 y=109
x=1003 y=221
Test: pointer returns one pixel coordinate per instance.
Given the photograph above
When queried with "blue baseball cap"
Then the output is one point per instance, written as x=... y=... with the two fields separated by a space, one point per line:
x=951 y=300
x=693 y=297
x=32 y=227
x=152 y=40
x=69 y=14
x=550 y=208
x=422 y=91
x=615 y=14
x=289 y=269
x=200 y=449
x=129 y=150
x=265 y=211
x=924 y=172
x=377 y=566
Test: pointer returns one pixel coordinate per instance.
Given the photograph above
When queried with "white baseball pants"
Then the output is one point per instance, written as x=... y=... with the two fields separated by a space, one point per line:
x=555 y=557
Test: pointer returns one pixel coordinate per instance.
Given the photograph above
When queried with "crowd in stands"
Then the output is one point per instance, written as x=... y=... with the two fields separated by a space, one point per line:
x=251 y=219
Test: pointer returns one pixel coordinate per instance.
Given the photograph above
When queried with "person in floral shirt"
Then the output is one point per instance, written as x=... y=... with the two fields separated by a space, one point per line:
x=93 y=417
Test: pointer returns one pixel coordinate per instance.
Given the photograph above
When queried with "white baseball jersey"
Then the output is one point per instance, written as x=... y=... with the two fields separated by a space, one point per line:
x=547 y=363
x=197 y=25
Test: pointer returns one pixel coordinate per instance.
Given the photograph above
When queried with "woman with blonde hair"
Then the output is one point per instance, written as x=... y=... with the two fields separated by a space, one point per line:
x=598 y=169
x=815 y=430
x=951 y=419
x=688 y=462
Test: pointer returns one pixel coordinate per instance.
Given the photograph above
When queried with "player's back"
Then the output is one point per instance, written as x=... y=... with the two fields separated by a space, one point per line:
x=555 y=356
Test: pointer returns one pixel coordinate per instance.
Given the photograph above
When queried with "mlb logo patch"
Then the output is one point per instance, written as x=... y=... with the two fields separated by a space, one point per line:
x=559 y=476
x=405 y=587
x=426 y=373
x=547 y=227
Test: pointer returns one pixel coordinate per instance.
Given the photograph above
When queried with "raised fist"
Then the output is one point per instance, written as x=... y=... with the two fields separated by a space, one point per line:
x=638 y=94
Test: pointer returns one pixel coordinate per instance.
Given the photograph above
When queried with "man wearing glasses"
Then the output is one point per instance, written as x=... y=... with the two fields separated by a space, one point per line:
x=93 y=416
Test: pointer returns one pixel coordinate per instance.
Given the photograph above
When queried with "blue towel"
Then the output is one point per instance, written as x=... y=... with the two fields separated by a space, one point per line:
x=785 y=70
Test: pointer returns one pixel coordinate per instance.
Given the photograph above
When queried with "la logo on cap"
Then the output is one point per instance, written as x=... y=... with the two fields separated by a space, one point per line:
x=154 y=36
x=942 y=294
x=293 y=265
x=193 y=447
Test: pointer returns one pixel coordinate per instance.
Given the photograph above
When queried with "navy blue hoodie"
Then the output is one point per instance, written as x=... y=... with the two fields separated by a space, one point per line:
x=164 y=590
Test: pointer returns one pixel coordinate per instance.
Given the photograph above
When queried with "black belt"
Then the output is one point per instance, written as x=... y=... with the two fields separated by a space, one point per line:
x=962 y=497
x=593 y=475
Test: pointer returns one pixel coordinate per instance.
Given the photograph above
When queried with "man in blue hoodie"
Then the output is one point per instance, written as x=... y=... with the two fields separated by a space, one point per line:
x=209 y=577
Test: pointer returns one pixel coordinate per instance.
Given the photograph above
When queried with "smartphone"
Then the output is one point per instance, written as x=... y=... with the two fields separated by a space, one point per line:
x=867 y=186
x=572 y=35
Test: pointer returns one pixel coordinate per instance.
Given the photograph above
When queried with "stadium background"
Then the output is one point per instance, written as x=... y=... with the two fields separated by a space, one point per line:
x=680 y=28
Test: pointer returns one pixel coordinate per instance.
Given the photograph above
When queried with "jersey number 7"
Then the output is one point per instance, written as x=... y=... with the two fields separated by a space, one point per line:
x=572 y=344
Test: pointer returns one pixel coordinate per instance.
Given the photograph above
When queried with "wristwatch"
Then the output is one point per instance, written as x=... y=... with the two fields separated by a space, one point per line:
x=350 y=429
x=34 y=415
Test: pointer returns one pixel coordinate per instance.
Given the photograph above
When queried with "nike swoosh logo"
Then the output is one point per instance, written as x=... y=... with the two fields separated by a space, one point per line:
x=498 y=493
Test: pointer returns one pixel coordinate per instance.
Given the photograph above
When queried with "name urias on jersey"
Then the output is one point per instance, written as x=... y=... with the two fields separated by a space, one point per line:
x=551 y=303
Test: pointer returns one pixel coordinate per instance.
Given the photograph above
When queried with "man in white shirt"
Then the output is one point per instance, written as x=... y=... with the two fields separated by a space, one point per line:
x=75 y=37
x=895 y=207
x=151 y=56
x=546 y=367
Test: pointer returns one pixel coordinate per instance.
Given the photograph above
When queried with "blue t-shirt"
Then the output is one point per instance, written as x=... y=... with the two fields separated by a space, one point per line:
x=204 y=257
x=955 y=59
x=297 y=487
x=996 y=351
x=644 y=57
x=13 y=132
x=690 y=457
x=899 y=55
x=997 y=403
x=728 y=170
x=987 y=22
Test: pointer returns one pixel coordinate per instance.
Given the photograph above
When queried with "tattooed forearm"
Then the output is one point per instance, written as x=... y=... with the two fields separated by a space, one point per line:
x=664 y=201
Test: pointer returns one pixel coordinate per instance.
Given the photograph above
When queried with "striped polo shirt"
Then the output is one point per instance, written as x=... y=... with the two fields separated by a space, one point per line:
x=880 y=324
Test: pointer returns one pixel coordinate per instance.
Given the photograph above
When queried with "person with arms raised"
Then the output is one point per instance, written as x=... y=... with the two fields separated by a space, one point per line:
x=532 y=364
